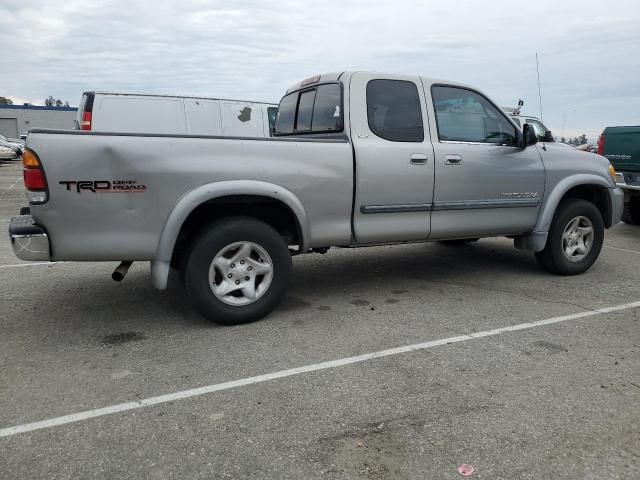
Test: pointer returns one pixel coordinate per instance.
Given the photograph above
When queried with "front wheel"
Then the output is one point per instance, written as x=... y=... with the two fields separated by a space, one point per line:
x=237 y=271
x=575 y=238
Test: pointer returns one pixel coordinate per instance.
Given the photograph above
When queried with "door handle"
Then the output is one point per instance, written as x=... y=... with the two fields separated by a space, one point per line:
x=418 y=159
x=453 y=159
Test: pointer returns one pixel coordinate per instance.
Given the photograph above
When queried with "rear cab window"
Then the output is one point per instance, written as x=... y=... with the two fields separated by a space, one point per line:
x=310 y=110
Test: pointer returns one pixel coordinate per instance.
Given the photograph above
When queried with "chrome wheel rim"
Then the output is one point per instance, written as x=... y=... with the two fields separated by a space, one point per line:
x=240 y=273
x=577 y=239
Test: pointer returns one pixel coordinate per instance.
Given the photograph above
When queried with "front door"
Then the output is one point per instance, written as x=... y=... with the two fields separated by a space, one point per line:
x=394 y=159
x=486 y=184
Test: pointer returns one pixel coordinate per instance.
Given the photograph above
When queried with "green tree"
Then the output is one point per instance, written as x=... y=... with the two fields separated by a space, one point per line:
x=50 y=101
x=5 y=101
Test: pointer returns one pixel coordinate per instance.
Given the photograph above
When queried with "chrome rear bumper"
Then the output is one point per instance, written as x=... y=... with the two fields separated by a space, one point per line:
x=29 y=241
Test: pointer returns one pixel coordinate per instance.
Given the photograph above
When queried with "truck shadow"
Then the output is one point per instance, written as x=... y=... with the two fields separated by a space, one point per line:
x=411 y=266
x=134 y=305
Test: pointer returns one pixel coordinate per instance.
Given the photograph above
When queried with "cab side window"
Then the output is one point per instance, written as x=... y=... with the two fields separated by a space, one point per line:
x=465 y=116
x=393 y=110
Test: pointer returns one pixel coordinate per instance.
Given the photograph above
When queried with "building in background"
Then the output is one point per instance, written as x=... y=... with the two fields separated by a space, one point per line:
x=16 y=120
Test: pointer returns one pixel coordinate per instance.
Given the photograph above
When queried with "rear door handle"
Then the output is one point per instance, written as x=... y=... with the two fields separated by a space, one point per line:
x=453 y=159
x=418 y=158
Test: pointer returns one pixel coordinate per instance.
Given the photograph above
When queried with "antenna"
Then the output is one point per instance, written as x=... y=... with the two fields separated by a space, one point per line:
x=539 y=91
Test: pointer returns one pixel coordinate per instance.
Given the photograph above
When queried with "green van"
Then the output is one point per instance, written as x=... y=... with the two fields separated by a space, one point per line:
x=621 y=145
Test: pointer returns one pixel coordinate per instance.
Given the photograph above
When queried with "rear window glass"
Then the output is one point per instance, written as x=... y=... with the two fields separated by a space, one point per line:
x=326 y=112
x=318 y=110
x=286 y=115
x=305 y=110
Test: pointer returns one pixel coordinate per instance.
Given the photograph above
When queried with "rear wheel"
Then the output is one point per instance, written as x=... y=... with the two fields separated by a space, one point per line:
x=237 y=271
x=631 y=213
x=575 y=238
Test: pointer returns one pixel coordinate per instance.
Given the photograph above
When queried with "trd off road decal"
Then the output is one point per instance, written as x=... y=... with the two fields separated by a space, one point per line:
x=104 y=186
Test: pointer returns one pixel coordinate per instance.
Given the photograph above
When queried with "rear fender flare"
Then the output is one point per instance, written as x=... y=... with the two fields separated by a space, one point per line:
x=199 y=195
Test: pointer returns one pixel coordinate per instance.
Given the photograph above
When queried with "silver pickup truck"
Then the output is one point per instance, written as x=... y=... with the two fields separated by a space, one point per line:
x=356 y=159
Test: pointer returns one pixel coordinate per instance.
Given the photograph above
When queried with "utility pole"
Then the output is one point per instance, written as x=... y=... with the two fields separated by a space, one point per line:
x=539 y=91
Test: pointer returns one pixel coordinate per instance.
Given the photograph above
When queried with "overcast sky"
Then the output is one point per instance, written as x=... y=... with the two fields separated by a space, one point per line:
x=251 y=49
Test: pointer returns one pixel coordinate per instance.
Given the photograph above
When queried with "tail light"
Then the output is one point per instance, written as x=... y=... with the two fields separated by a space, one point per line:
x=34 y=179
x=86 y=121
x=601 y=141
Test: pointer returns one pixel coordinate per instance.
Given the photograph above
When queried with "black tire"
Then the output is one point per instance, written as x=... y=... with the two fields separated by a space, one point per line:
x=214 y=239
x=552 y=258
x=461 y=241
x=631 y=213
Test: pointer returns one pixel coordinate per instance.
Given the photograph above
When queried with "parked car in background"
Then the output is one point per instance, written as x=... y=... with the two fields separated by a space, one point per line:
x=621 y=145
x=18 y=141
x=587 y=147
x=357 y=159
x=173 y=115
x=15 y=147
x=7 y=153
x=541 y=131
x=16 y=144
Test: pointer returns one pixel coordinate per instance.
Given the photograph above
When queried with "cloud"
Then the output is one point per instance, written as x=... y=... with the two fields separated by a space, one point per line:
x=256 y=49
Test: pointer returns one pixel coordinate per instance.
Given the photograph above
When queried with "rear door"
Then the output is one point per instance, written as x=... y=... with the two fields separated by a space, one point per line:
x=486 y=184
x=394 y=158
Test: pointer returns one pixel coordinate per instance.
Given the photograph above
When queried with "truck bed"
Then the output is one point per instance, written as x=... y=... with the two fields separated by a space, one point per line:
x=121 y=188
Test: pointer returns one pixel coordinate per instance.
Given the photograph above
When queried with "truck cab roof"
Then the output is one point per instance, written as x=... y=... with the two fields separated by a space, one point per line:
x=341 y=76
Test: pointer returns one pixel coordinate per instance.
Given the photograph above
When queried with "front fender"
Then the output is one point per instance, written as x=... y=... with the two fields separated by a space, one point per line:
x=192 y=199
x=553 y=198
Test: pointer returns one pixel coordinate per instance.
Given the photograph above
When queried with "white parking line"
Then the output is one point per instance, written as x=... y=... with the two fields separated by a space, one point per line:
x=19 y=179
x=28 y=264
x=621 y=249
x=171 y=397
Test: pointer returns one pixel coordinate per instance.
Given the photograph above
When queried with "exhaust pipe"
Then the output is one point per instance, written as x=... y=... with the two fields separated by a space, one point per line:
x=121 y=270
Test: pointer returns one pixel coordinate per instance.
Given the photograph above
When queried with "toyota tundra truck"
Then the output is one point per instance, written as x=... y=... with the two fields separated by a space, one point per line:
x=356 y=159
x=621 y=145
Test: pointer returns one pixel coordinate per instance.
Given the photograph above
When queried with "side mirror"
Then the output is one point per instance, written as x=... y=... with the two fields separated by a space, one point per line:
x=528 y=135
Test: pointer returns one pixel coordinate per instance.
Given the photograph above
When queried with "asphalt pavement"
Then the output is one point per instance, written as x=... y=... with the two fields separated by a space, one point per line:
x=383 y=363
